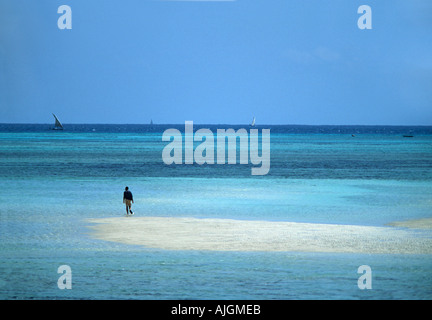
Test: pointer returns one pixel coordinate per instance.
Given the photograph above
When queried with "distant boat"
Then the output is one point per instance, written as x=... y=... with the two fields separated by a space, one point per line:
x=253 y=122
x=57 y=125
x=151 y=122
x=407 y=136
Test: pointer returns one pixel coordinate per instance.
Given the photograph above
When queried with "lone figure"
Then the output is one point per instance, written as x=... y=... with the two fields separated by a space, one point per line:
x=128 y=200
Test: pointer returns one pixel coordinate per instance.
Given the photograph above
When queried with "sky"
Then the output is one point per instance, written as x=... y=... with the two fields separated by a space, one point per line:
x=217 y=62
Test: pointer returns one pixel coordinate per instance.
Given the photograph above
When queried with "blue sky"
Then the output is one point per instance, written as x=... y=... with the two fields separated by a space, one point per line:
x=284 y=62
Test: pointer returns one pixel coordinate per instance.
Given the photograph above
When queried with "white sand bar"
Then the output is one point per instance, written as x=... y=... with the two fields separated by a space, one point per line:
x=241 y=235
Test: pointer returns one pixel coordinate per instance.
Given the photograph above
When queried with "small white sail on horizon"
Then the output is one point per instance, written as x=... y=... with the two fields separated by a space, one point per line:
x=253 y=122
x=57 y=125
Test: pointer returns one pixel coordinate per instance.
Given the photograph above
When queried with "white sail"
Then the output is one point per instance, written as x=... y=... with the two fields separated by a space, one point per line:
x=253 y=122
x=58 y=125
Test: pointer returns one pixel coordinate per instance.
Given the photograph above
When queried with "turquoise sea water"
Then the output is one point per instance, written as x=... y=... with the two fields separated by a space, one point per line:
x=51 y=182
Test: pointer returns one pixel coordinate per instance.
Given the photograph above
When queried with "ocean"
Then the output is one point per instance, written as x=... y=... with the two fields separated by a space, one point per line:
x=51 y=182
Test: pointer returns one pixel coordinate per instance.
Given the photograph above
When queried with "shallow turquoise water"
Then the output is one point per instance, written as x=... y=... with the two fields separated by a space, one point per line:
x=51 y=182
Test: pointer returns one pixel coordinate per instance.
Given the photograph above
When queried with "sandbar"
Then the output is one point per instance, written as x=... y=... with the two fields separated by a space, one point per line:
x=425 y=223
x=182 y=233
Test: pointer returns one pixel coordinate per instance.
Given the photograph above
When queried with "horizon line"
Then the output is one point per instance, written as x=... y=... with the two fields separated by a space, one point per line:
x=223 y=124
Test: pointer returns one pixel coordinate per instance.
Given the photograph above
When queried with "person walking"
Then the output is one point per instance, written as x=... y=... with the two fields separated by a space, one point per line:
x=128 y=200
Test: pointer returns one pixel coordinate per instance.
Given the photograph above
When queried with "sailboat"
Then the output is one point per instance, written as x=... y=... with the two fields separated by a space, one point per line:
x=57 y=125
x=253 y=122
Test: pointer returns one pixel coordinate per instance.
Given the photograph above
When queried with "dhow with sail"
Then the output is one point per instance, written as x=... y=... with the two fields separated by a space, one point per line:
x=57 y=125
